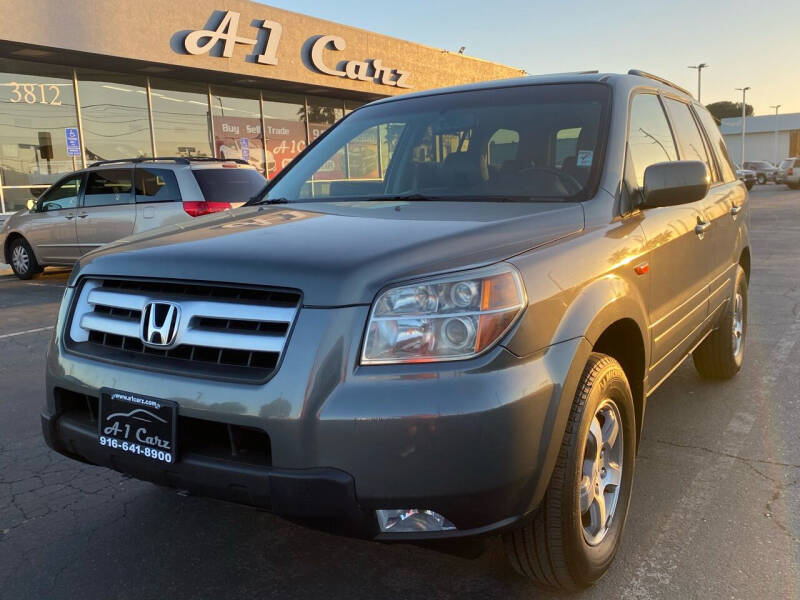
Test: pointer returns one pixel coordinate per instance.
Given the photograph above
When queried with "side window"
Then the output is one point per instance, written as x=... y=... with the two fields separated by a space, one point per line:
x=63 y=196
x=503 y=146
x=649 y=136
x=727 y=172
x=690 y=140
x=156 y=185
x=108 y=186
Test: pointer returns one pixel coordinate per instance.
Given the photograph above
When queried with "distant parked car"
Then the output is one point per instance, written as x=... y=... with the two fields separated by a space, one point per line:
x=113 y=199
x=764 y=171
x=789 y=173
x=747 y=176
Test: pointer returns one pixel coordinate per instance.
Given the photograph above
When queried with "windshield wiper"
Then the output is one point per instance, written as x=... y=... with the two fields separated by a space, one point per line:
x=404 y=197
x=254 y=202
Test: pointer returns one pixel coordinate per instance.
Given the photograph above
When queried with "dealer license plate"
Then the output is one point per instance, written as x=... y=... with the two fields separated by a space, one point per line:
x=138 y=425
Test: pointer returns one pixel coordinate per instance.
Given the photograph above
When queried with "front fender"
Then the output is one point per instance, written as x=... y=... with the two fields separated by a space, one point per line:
x=600 y=304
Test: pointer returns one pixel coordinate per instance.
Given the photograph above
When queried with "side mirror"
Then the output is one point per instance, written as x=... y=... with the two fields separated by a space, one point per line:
x=675 y=182
x=31 y=205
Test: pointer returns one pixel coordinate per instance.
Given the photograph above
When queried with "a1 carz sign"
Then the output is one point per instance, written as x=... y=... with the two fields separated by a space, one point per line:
x=202 y=41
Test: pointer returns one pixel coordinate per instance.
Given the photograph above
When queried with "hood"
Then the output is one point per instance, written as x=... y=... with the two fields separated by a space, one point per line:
x=336 y=253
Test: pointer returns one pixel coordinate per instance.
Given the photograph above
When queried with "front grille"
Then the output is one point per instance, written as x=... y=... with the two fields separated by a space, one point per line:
x=222 y=332
x=212 y=439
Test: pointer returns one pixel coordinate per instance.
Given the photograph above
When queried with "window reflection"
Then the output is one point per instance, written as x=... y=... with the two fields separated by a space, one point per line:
x=237 y=125
x=36 y=104
x=322 y=113
x=181 y=123
x=114 y=114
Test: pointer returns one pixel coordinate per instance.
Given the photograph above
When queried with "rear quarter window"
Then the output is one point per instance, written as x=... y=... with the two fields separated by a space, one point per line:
x=229 y=185
x=727 y=171
x=156 y=185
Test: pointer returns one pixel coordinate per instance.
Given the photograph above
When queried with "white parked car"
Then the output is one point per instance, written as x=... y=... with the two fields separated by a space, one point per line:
x=789 y=173
x=110 y=200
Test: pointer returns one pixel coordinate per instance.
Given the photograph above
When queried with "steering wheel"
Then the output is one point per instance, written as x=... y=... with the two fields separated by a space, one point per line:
x=569 y=183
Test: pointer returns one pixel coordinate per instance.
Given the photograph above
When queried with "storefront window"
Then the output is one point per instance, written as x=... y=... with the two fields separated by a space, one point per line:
x=351 y=105
x=285 y=130
x=114 y=114
x=322 y=113
x=181 y=123
x=38 y=103
x=237 y=125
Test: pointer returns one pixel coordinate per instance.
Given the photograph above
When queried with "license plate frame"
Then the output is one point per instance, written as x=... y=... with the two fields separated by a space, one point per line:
x=138 y=425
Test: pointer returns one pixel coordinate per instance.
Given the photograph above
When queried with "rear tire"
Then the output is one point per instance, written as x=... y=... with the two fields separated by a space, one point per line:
x=23 y=260
x=570 y=541
x=720 y=356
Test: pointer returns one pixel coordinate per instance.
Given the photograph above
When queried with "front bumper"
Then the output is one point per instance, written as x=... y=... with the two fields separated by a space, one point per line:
x=473 y=440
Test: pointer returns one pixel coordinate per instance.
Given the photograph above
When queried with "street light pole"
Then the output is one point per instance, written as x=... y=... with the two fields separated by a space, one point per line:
x=776 y=107
x=699 y=68
x=744 y=115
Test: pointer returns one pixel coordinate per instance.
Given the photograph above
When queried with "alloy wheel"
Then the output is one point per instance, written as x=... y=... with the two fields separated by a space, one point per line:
x=20 y=259
x=601 y=475
x=737 y=330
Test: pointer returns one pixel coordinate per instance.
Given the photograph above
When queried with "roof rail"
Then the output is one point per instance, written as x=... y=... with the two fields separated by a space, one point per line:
x=185 y=160
x=641 y=73
x=594 y=72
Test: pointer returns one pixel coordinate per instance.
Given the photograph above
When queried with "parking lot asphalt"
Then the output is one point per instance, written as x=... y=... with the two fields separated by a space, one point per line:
x=715 y=511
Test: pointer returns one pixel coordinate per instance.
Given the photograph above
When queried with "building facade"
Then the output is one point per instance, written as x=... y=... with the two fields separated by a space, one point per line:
x=87 y=81
x=767 y=137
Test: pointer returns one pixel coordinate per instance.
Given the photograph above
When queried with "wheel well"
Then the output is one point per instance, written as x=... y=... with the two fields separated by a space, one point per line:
x=744 y=260
x=11 y=237
x=623 y=341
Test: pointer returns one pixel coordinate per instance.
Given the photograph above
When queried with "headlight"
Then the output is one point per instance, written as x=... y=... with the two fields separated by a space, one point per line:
x=445 y=318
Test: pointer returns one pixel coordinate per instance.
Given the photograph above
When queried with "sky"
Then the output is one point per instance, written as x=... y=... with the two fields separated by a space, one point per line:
x=744 y=43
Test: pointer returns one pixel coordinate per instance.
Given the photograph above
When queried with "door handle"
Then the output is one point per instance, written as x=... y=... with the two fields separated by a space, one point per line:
x=69 y=216
x=701 y=227
x=735 y=210
x=83 y=215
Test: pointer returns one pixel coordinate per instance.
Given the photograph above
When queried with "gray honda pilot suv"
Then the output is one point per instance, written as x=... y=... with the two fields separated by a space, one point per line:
x=443 y=320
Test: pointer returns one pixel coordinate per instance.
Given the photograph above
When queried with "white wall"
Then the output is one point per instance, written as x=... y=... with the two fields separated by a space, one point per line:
x=757 y=146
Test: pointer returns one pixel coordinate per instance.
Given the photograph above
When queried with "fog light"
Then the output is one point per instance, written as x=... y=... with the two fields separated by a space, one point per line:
x=408 y=520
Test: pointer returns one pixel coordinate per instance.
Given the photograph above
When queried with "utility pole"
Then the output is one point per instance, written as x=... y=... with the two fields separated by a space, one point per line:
x=776 y=107
x=744 y=115
x=699 y=68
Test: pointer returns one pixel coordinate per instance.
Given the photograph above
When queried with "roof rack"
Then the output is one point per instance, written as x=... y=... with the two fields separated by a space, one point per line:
x=641 y=73
x=184 y=160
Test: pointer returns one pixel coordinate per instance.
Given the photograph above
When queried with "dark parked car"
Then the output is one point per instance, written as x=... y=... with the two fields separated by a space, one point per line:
x=746 y=176
x=454 y=337
x=764 y=171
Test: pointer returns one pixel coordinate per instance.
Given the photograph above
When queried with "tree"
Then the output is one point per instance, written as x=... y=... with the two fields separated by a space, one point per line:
x=727 y=109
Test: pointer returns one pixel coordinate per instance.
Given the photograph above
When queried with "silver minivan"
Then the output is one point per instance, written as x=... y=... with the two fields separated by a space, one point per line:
x=113 y=199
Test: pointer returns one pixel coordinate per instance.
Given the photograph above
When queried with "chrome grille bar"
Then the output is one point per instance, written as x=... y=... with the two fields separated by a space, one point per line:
x=235 y=327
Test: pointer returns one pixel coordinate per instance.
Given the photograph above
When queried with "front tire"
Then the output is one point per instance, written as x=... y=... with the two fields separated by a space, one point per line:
x=573 y=536
x=23 y=260
x=720 y=356
x=762 y=179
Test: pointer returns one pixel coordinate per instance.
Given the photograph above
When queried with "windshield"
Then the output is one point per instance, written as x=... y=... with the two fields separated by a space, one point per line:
x=228 y=185
x=518 y=143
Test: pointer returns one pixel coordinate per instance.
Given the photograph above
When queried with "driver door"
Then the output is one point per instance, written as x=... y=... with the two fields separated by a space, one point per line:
x=51 y=230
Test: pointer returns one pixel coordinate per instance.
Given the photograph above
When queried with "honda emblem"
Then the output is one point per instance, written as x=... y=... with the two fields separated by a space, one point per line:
x=159 y=324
